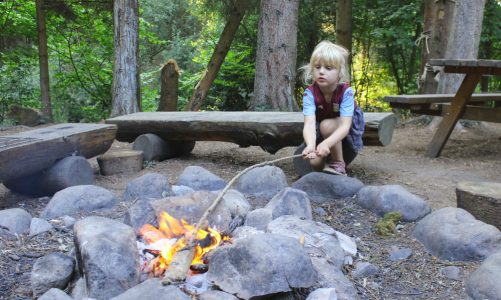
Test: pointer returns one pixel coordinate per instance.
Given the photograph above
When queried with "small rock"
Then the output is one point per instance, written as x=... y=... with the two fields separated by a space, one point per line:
x=399 y=254
x=38 y=226
x=364 y=269
x=451 y=272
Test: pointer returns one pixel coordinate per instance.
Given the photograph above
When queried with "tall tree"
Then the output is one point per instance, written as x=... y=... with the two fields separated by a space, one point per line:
x=463 y=39
x=126 y=97
x=276 y=56
x=43 y=58
x=344 y=19
x=215 y=62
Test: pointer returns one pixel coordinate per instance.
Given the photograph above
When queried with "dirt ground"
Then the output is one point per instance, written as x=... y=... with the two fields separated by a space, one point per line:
x=471 y=154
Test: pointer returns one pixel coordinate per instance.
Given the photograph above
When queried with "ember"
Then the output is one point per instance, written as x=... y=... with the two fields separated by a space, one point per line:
x=171 y=236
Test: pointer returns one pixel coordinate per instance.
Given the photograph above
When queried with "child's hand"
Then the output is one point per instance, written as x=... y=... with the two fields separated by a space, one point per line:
x=323 y=150
x=309 y=152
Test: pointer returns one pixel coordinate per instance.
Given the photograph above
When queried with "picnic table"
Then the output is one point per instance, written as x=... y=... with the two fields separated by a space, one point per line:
x=452 y=107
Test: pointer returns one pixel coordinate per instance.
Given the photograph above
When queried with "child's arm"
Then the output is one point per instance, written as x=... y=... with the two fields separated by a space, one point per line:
x=310 y=136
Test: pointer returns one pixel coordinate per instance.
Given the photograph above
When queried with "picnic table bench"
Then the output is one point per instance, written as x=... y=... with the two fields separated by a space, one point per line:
x=269 y=130
x=463 y=104
x=439 y=105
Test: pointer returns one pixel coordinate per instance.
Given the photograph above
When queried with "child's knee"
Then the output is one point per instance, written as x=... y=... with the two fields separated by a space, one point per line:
x=328 y=126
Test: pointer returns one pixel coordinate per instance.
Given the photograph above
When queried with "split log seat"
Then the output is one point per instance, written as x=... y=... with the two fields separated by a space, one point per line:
x=439 y=105
x=26 y=153
x=269 y=130
x=481 y=199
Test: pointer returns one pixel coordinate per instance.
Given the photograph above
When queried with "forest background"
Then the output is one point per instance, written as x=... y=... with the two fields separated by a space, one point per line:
x=385 y=50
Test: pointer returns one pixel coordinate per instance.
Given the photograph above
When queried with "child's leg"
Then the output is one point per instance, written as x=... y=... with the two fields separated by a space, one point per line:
x=327 y=127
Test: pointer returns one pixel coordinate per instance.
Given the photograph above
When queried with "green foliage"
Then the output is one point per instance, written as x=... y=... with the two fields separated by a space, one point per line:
x=385 y=57
x=387 y=225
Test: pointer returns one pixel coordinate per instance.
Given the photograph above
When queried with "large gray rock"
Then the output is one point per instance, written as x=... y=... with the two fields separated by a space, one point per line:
x=216 y=295
x=484 y=282
x=78 y=199
x=322 y=187
x=149 y=186
x=153 y=289
x=454 y=234
x=139 y=214
x=262 y=182
x=261 y=264
x=290 y=201
x=107 y=255
x=388 y=198
x=51 y=271
x=259 y=218
x=323 y=294
x=330 y=276
x=55 y=294
x=320 y=240
x=16 y=220
x=199 y=178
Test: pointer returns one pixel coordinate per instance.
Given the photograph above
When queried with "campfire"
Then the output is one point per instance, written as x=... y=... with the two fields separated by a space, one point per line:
x=172 y=235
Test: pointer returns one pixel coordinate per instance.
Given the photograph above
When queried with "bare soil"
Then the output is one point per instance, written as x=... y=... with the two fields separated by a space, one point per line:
x=471 y=154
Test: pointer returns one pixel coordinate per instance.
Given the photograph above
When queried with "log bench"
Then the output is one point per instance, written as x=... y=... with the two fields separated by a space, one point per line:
x=175 y=133
x=26 y=156
x=269 y=130
x=439 y=105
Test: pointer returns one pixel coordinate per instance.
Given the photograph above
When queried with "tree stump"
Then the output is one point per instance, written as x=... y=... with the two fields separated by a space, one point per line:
x=169 y=87
x=482 y=200
x=156 y=148
x=66 y=172
x=120 y=162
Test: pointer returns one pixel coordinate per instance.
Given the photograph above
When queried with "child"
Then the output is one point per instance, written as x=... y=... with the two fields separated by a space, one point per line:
x=333 y=123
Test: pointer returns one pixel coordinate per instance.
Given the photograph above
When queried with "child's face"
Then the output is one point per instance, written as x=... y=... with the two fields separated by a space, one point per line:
x=325 y=75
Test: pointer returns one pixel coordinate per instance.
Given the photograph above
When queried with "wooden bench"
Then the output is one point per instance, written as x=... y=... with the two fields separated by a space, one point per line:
x=439 y=105
x=269 y=130
x=32 y=151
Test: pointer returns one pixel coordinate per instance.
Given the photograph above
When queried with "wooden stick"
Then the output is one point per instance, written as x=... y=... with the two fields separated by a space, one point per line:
x=182 y=264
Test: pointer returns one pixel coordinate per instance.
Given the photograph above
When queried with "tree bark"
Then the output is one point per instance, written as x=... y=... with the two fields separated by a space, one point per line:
x=276 y=56
x=463 y=41
x=438 y=18
x=169 y=86
x=218 y=56
x=125 y=91
x=44 y=62
x=344 y=17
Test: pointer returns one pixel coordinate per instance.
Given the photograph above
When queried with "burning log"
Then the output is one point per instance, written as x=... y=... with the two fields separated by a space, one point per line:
x=180 y=264
x=199 y=268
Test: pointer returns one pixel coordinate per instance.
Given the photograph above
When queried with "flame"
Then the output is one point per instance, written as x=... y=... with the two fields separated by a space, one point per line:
x=173 y=235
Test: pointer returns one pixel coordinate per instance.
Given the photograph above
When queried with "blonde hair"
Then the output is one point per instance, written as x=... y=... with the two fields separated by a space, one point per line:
x=330 y=54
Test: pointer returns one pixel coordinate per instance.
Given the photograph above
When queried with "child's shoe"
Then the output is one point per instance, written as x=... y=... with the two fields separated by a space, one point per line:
x=336 y=167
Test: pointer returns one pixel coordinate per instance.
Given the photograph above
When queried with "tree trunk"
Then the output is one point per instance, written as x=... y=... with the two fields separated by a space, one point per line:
x=463 y=41
x=169 y=86
x=344 y=16
x=44 y=62
x=438 y=17
x=222 y=48
x=125 y=90
x=276 y=56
